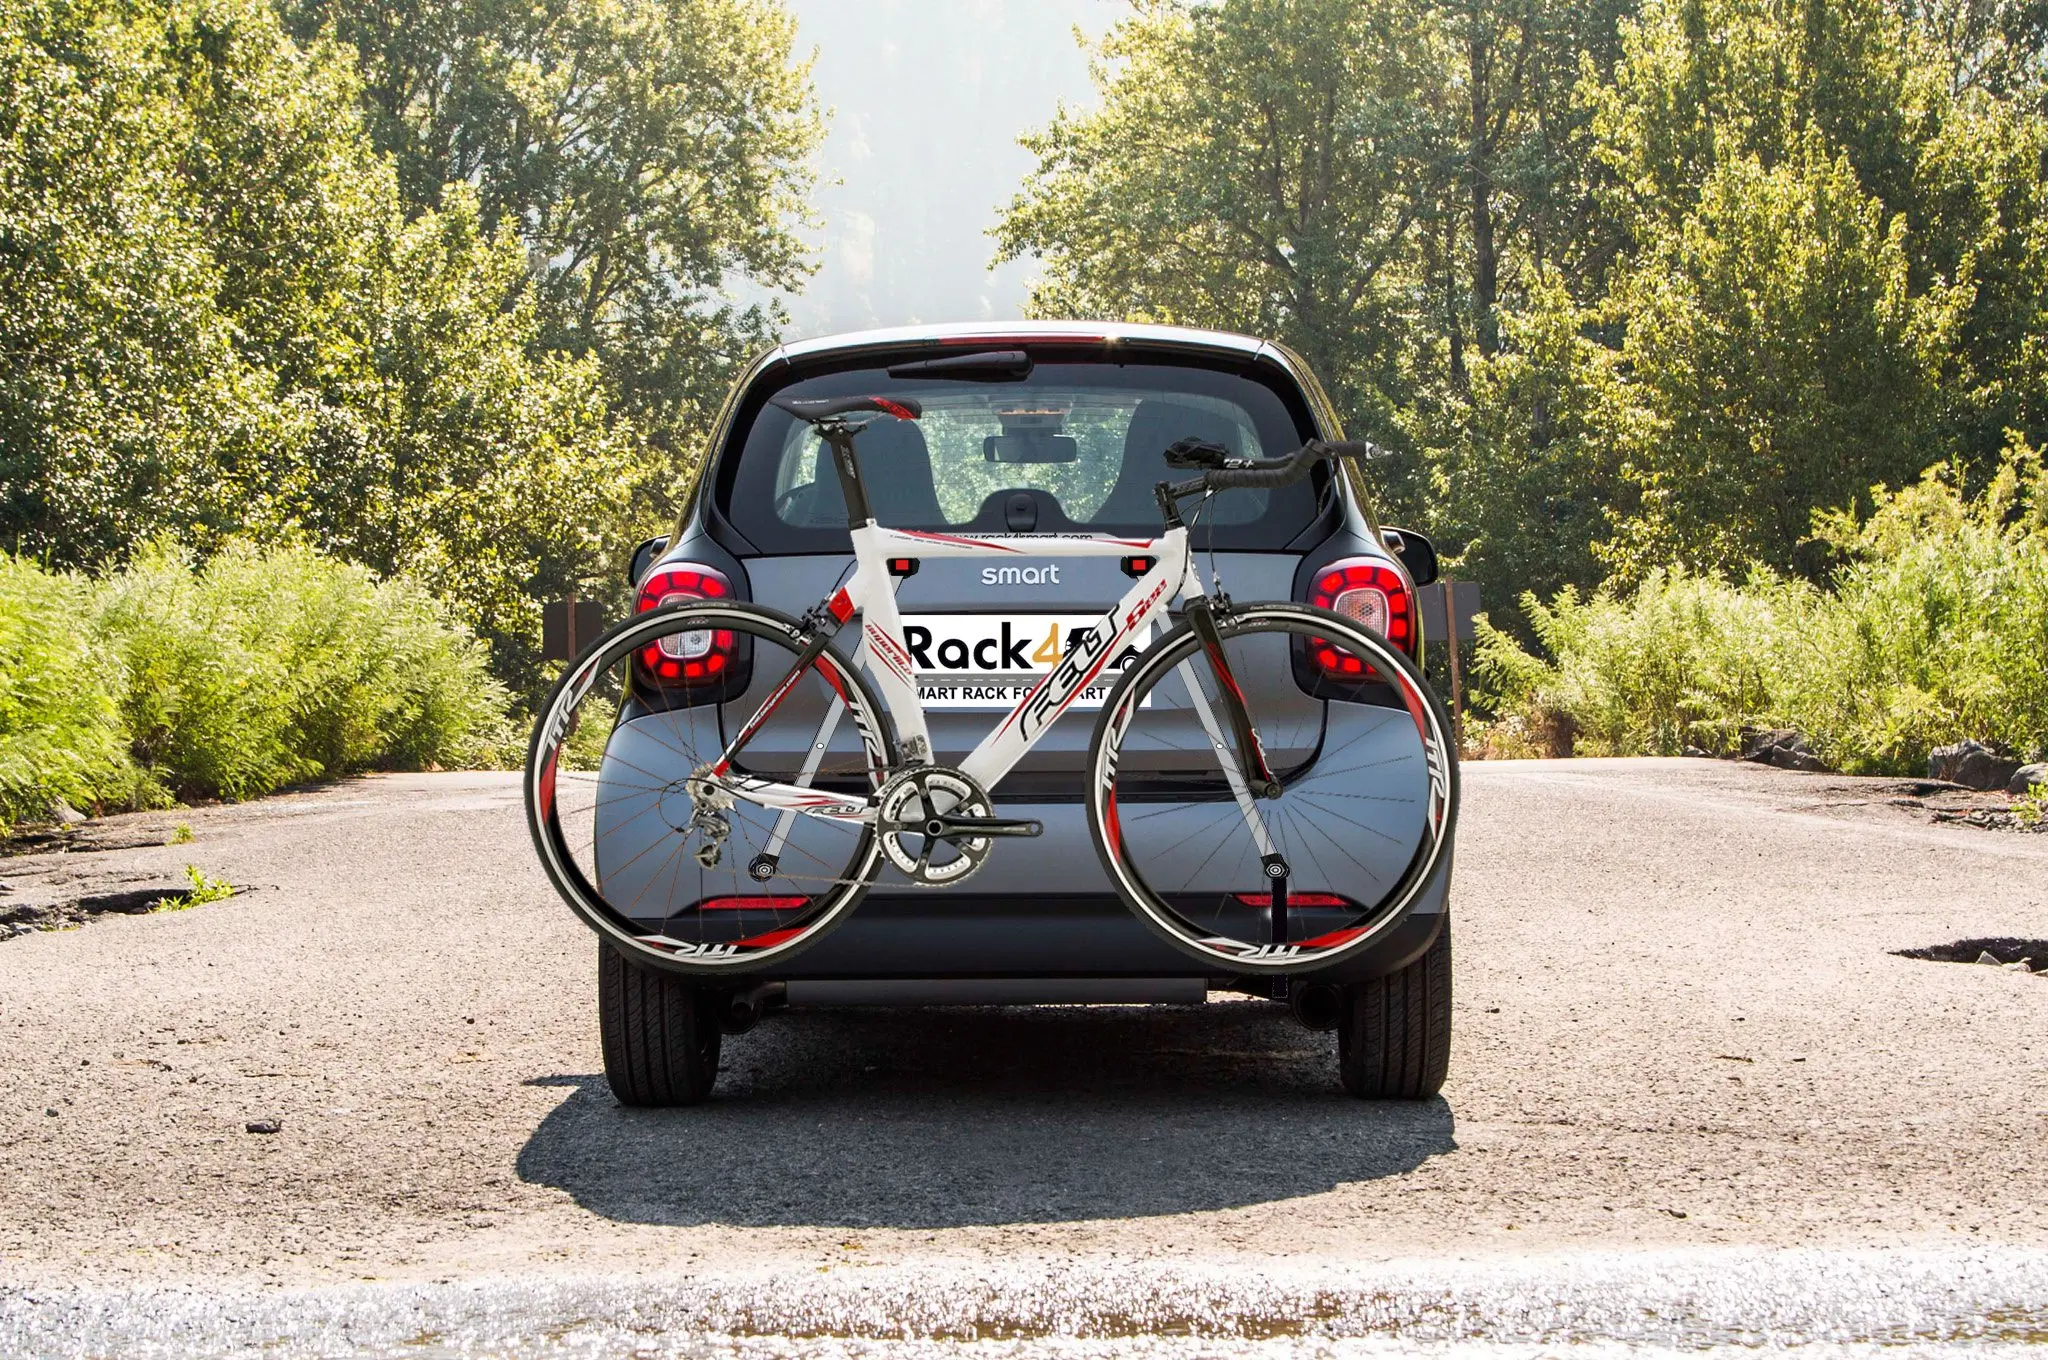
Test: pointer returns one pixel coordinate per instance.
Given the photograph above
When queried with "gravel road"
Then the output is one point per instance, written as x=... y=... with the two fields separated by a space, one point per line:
x=1685 y=1054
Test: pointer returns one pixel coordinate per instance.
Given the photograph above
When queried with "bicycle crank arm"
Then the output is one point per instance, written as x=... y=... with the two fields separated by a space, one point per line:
x=946 y=827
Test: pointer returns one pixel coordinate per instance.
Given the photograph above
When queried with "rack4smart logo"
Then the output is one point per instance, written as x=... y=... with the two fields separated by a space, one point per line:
x=994 y=660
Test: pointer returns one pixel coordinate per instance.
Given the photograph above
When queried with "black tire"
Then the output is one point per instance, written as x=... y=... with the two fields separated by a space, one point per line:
x=1394 y=1042
x=1207 y=941
x=660 y=1033
x=570 y=860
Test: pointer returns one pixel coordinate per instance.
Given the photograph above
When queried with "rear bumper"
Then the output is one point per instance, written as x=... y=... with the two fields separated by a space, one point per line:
x=1044 y=909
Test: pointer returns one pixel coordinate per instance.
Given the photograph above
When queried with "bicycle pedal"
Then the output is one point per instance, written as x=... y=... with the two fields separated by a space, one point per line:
x=991 y=827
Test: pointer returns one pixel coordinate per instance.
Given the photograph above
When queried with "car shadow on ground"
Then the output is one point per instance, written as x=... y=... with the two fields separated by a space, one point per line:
x=950 y=1118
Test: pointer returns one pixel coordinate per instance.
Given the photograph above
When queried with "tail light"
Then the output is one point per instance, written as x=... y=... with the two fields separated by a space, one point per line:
x=1367 y=591
x=681 y=658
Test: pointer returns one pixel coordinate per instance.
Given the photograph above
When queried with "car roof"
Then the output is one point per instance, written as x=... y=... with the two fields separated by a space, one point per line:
x=1025 y=331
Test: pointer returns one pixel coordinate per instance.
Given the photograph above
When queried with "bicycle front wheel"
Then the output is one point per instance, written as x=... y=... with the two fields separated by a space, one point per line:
x=635 y=792
x=1357 y=808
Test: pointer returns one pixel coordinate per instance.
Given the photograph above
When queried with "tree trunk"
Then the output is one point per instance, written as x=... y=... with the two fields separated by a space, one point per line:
x=1485 y=258
x=1454 y=330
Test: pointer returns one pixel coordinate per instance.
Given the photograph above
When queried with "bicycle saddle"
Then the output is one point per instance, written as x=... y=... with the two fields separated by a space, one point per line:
x=824 y=408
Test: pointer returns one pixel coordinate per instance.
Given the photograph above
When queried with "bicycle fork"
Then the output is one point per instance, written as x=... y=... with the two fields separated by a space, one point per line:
x=1244 y=768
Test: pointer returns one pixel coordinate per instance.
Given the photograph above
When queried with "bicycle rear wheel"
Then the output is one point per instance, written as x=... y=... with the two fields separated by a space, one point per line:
x=1272 y=884
x=664 y=857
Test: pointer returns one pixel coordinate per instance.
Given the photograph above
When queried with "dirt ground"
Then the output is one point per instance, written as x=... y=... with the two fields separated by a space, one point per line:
x=1679 y=1025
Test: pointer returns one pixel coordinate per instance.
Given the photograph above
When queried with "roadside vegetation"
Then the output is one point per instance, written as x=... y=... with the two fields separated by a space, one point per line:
x=256 y=670
x=1935 y=624
x=443 y=296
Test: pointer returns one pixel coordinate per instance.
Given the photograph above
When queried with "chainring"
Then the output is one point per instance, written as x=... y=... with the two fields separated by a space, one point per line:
x=904 y=811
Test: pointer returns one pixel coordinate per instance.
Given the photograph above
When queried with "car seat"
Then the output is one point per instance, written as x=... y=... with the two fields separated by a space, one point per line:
x=896 y=469
x=1155 y=425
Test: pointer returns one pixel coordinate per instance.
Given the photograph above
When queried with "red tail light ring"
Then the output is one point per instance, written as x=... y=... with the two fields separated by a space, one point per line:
x=704 y=654
x=1367 y=591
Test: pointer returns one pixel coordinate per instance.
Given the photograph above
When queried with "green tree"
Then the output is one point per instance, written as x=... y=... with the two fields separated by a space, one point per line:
x=1379 y=185
x=646 y=152
x=220 y=320
x=1523 y=467
x=1779 y=361
x=1262 y=165
x=122 y=395
x=1836 y=271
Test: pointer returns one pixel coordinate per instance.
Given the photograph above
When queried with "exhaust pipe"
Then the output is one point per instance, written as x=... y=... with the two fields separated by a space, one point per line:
x=742 y=1010
x=1316 y=1006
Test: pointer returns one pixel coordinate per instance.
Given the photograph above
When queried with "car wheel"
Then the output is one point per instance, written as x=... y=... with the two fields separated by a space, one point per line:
x=1394 y=1041
x=660 y=1033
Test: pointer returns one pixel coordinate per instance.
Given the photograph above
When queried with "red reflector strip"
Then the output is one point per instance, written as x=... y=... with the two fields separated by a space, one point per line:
x=751 y=903
x=841 y=605
x=1265 y=900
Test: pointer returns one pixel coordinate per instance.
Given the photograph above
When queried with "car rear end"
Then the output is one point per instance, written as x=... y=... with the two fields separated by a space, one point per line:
x=1039 y=430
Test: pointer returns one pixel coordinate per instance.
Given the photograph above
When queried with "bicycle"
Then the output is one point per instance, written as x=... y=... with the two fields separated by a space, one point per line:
x=681 y=788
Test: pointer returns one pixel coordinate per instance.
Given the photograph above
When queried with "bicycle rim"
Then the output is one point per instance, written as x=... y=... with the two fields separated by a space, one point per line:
x=693 y=877
x=1300 y=881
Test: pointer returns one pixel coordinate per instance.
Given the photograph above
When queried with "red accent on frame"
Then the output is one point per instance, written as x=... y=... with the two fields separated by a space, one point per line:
x=841 y=605
x=953 y=538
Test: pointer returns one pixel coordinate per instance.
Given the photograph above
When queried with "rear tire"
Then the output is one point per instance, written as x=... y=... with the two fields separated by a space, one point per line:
x=660 y=1033
x=1394 y=1041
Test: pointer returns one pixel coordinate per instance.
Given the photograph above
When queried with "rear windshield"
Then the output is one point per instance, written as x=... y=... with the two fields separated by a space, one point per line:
x=1073 y=447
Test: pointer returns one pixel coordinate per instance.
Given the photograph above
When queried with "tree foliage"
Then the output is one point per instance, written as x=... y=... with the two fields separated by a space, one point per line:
x=1631 y=284
x=221 y=314
x=645 y=151
x=1261 y=165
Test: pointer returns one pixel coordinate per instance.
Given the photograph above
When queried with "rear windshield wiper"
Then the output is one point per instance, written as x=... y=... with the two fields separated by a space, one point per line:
x=995 y=365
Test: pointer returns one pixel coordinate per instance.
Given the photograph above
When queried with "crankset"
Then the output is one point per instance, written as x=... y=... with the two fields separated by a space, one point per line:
x=937 y=825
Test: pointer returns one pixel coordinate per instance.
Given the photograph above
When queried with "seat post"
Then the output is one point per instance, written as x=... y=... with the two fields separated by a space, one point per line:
x=839 y=438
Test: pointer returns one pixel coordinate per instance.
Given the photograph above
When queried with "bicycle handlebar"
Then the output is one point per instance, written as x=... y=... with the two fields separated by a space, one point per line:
x=1270 y=472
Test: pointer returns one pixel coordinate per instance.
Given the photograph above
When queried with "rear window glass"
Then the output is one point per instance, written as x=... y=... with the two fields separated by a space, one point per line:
x=1075 y=446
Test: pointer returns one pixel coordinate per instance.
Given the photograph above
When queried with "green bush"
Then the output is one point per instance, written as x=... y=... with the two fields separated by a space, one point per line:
x=1935 y=628
x=59 y=730
x=259 y=669
x=1679 y=661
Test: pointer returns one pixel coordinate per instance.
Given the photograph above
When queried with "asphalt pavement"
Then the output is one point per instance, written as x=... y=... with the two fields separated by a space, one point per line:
x=1695 y=1099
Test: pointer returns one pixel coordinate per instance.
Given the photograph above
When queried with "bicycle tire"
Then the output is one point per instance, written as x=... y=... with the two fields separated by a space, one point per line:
x=618 y=646
x=1109 y=826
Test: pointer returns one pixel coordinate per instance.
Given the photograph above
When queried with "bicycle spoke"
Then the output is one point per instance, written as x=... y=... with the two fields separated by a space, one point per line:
x=1346 y=828
x=651 y=843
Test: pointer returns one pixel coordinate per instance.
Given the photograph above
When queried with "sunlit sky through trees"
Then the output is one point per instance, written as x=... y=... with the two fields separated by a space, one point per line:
x=928 y=97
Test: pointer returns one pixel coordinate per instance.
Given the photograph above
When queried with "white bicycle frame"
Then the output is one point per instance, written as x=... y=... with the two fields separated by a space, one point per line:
x=883 y=654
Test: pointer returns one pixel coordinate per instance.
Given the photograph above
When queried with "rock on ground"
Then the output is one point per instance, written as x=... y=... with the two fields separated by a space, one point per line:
x=1973 y=764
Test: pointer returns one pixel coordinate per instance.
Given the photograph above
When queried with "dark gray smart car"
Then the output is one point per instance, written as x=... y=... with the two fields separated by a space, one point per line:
x=1040 y=429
